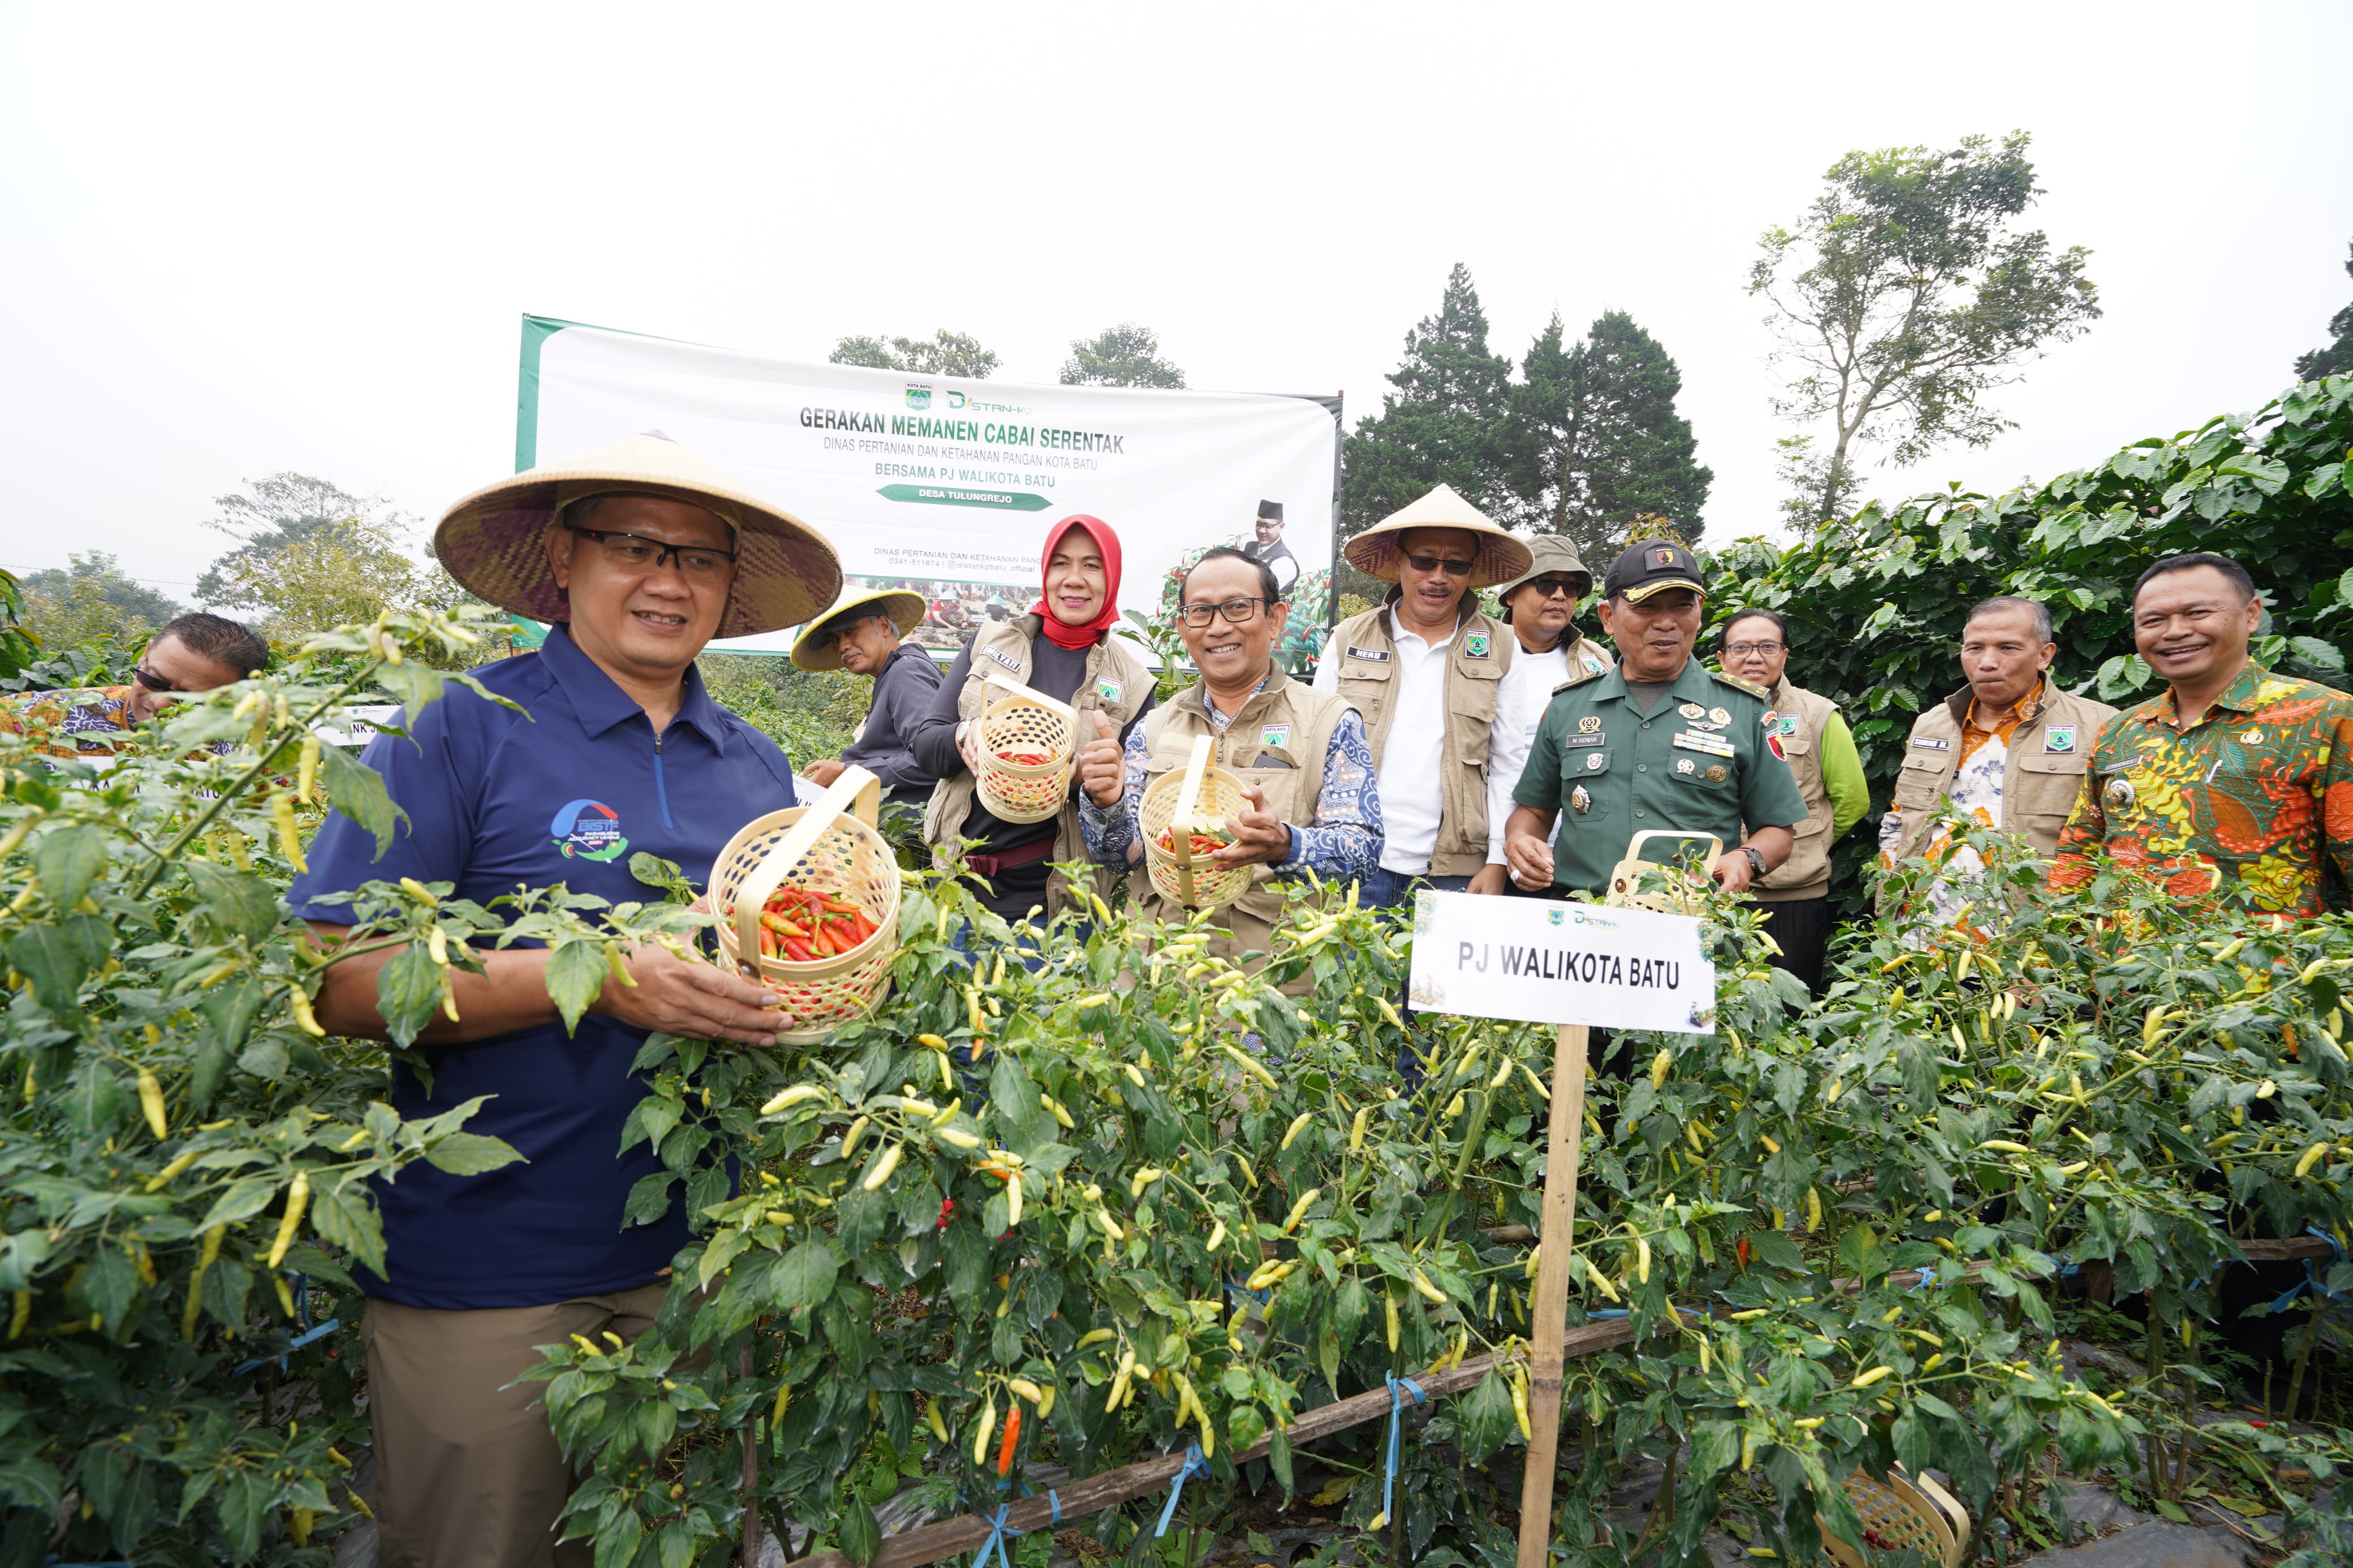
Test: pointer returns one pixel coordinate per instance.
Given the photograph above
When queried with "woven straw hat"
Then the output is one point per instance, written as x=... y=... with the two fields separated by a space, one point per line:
x=493 y=542
x=817 y=648
x=1375 y=552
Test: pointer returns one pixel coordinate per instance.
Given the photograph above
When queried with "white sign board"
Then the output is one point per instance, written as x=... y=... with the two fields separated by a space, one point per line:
x=950 y=486
x=1545 y=962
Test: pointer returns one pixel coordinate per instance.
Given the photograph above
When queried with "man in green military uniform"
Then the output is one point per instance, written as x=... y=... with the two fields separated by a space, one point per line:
x=1660 y=742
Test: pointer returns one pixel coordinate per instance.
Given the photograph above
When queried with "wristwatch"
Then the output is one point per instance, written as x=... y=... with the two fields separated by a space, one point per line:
x=1755 y=861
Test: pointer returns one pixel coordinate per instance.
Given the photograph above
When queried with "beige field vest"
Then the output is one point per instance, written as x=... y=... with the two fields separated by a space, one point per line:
x=2048 y=753
x=1805 y=874
x=1477 y=657
x=1277 y=742
x=1116 y=686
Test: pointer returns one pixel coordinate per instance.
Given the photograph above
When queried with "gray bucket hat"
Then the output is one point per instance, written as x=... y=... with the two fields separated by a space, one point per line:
x=1549 y=553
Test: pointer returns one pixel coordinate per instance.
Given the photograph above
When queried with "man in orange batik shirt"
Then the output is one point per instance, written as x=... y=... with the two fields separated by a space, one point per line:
x=2233 y=775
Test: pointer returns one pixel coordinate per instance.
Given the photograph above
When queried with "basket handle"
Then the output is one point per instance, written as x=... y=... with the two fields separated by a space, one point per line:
x=1634 y=847
x=856 y=790
x=1189 y=797
x=1013 y=688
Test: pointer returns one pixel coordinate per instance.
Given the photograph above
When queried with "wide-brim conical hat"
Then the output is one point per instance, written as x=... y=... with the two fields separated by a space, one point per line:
x=1375 y=552
x=494 y=542
x=816 y=648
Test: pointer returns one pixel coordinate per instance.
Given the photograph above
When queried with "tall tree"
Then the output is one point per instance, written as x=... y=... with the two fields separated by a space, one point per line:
x=273 y=514
x=942 y=353
x=1907 y=294
x=1124 y=355
x=1595 y=440
x=96 y=575
x=2337 y=359
x=1445 y=424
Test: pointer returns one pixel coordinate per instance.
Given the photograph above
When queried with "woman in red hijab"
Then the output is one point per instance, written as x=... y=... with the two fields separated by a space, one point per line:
x=1061 y=648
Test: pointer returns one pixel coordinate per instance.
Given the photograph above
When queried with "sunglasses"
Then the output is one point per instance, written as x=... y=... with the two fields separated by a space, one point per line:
x=1440 y=564
x=150 y=680
x=1547 y=586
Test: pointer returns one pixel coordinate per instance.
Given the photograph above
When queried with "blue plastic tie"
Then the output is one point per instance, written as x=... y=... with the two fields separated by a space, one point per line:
x=1055 y=1503
x=997 y=1531
x=296 y=1343
x=1396 y=1419
x=1194 y=1465
x=2311 y=1280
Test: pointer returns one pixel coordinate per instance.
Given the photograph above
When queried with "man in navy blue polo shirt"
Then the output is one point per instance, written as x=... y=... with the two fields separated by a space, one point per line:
x=640 y=553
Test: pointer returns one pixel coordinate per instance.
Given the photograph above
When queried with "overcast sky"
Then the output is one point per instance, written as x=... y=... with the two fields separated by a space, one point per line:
x=240 y=239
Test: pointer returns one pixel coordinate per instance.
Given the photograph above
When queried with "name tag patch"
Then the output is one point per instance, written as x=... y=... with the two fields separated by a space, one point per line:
x=1371 y=655
x=1701 y=741
x=2060 y=739
x=1586 y=740
x=1932 y=742
x=1008 y=660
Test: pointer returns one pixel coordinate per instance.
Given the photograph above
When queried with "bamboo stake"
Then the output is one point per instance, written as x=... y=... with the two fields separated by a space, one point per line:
x=1551 y=1307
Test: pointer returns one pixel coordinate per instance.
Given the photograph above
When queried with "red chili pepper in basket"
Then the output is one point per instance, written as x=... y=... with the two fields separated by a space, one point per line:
x=796 y=950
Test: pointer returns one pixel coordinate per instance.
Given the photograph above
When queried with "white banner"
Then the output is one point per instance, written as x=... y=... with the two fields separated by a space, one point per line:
x=1545 y=962
x=951 y=486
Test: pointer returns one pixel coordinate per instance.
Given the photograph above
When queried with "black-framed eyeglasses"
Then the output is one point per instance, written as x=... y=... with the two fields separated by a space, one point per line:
x=153 y=681
x=1764 y=650
x=1546 y=587
x=1236 y=610
x=1439 y=562
x=636 y=552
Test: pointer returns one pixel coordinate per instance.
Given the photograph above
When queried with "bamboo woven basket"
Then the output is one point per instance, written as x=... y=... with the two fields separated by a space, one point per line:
x=831 y=845
x=1903 y=1512
x=1023 y=720
x=1628 y=875
x=1198 y=790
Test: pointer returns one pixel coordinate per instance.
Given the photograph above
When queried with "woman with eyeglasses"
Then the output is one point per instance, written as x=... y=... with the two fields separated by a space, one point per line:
x=1804 y=729
x=1540 y=606
x=1063 y=647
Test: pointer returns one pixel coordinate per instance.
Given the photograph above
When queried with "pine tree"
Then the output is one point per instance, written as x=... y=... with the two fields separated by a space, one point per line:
x=1445 y=424
x=1595 y=440
x=2337 y=359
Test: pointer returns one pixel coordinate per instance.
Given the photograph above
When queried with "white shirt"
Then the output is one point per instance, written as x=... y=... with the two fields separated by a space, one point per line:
x=1521 y=698
x=1411 y=798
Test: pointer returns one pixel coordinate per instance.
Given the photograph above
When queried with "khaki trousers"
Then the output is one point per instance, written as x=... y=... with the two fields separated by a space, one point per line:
x=468 y=1472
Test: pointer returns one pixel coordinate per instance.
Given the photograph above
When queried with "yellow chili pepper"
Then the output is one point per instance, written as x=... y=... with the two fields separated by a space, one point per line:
x=296 y=1195
x=1356 y=1129
x=1298 y=1125
x=290 y=839
x=883 y=1169
x=1389 y=1305
x=1299 y=1211
x=151 y=1101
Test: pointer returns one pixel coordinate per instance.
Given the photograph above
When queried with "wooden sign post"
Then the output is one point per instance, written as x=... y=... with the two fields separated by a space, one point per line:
x=1578 y=966
x=1551 y=1305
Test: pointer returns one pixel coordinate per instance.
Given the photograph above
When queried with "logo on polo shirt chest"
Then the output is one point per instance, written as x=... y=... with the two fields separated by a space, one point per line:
x=588 y=830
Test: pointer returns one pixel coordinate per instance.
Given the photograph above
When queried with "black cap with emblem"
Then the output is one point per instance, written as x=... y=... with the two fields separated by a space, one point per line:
x=1650 y=566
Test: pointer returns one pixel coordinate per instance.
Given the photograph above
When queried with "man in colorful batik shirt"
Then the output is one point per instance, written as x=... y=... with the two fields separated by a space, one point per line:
x=2007 y=751
x=2233 y=776
x=193 y=654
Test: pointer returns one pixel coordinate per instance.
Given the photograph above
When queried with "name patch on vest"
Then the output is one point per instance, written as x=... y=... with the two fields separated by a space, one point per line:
x=1371 y=655
x=1008 y=660
x=1932 y=742
x=1474 y=645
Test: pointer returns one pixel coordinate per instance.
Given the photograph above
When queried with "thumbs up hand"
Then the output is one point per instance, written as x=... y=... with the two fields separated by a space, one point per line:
x=1102 y=767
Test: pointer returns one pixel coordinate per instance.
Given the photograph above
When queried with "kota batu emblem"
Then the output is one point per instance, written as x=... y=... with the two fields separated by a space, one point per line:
x=1474 y=645
x=1589 y=725
x=1109 y=689
x=1275 y=735
x=588 y=830
x=2059 y=738
x=1558 y=915
x=919 y=397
